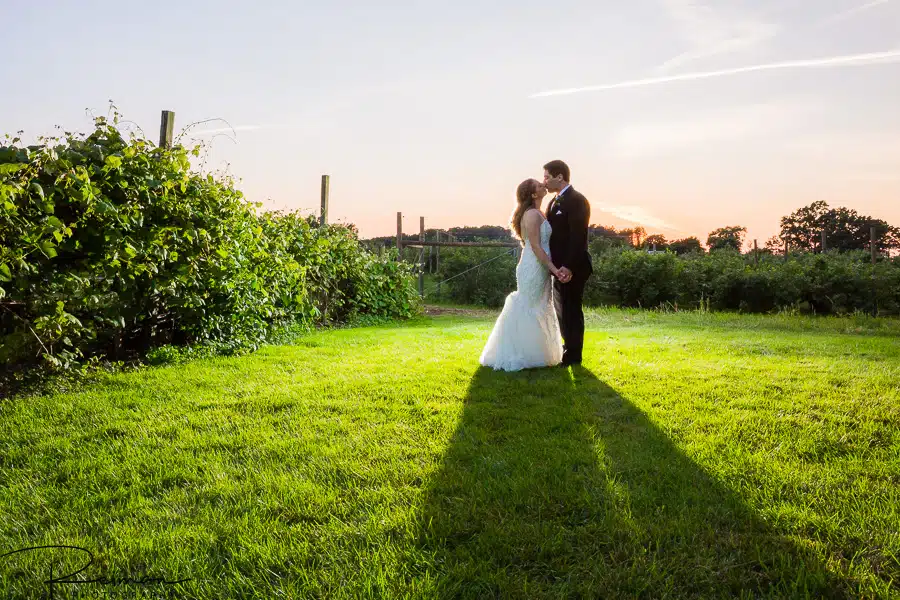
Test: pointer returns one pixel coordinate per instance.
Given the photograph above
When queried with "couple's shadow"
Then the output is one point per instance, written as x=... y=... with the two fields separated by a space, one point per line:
x=554 y=485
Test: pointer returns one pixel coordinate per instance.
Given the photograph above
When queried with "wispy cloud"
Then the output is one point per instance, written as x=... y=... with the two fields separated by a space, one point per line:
x=634 y=214
x=869 y=151
x=711 y=32
x=710 y=128
x=852 y=12
x=871 y=58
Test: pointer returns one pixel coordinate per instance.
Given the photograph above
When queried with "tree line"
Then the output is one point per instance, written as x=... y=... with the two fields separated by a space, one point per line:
x=844 y=229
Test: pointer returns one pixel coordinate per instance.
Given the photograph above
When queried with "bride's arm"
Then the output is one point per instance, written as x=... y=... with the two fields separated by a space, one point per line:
x=533 y=235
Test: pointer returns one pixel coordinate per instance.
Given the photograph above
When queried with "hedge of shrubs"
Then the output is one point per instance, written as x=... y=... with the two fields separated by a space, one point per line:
x=829 y=283
x=111 y=247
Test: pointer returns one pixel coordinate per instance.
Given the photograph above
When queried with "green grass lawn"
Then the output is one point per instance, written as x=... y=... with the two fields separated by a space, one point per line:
x=692 y=456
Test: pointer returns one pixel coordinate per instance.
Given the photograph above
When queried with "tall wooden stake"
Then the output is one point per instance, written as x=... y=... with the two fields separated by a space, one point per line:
x=422 y=257
x=872 y=247
x=874 y=250
x=824 y=241
x=166 y=129
x=755 y=252
x=323 y=217
x=437 y=262
x=399 y=236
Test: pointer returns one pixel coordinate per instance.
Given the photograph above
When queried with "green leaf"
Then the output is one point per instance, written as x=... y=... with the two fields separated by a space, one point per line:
x=9 y=168
x=5 y=273
x=36 y=188
x=48 y=248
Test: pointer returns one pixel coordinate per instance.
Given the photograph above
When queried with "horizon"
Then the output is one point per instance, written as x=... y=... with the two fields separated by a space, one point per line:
x=675 y=115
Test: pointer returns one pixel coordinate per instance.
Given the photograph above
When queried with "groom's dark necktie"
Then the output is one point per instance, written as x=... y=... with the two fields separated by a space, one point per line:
x=555 y=203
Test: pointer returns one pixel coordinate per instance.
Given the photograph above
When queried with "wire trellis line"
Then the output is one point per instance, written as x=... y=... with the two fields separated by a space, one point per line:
x=469 y=270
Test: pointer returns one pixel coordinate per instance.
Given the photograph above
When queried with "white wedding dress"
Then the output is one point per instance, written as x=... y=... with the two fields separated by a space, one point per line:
x=526 y=333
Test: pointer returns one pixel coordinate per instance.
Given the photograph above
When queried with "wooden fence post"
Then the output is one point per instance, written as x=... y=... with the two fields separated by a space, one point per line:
x=323 y=217
x=824 y=241
x=755 y=252
x=874 y=250
x=166 y=129
x=422 y=258
x=437 y=262
x=399 y=236
x=872 y=246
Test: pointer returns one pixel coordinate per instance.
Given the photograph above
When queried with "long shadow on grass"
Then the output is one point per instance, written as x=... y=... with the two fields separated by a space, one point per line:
x=554 y=485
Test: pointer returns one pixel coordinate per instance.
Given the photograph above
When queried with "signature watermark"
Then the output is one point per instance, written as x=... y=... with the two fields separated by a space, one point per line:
x=57 y=582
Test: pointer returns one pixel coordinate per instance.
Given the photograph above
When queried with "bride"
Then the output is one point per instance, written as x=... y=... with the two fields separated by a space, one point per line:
x=527 y=333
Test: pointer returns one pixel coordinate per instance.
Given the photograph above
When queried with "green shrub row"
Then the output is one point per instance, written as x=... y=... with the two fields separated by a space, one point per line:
x=829 y=283
x=111 y=247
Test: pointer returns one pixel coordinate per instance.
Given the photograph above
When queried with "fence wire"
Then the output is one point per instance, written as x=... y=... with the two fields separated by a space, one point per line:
x=510 y=251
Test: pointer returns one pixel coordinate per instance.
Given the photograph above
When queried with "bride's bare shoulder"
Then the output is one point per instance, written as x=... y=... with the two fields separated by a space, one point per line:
x=534 y=214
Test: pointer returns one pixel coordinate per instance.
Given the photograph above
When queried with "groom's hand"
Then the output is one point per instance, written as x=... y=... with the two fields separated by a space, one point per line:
x=565 y=275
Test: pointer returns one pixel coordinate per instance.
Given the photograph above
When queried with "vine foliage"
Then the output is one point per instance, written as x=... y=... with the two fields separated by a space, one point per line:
x=110 y=247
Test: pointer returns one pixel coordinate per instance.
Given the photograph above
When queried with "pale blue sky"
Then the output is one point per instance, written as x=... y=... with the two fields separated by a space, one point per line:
x=430 y=107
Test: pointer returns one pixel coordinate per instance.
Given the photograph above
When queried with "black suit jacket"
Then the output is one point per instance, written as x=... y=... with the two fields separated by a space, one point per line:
x=569 y=215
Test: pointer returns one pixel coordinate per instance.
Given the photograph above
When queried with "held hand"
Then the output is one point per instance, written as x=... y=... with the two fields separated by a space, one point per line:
x=565 y=275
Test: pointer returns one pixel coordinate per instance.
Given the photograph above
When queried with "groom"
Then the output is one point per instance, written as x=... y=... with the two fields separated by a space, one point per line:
x=569 y=214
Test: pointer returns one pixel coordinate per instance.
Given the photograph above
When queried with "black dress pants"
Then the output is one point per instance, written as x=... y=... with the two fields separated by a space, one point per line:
x=567 y=298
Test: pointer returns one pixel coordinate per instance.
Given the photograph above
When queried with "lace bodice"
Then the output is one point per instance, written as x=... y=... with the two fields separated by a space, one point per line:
x=532 y=277
x=546 y=230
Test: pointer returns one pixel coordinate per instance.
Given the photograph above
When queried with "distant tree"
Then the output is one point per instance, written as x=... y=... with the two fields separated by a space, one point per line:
x=603 y=238
x=774 y=245
x=727 y=237
x=686 y=246
x=844 y=229
x=637 y=235
x=595 y=231
x=656 y=239
x=802 y=229
x=483 y=232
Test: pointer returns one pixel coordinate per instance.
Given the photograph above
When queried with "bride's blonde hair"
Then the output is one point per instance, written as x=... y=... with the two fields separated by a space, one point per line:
x=525 y=200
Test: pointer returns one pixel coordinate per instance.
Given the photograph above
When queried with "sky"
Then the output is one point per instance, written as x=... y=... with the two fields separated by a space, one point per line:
x=679 y=115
